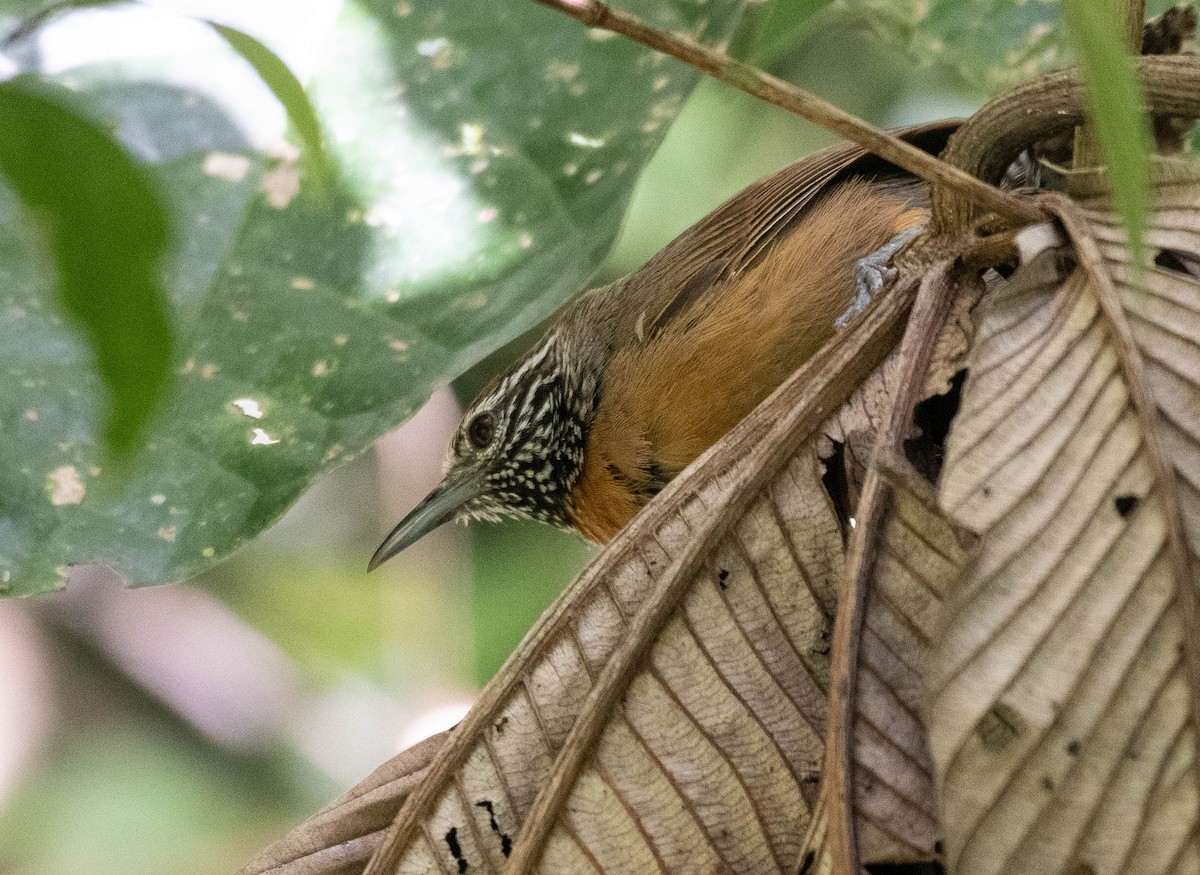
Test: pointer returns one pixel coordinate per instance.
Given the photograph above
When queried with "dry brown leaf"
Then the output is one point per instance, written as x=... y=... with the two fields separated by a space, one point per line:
x=1062 y=718
x=340 y=838
x=877 y=802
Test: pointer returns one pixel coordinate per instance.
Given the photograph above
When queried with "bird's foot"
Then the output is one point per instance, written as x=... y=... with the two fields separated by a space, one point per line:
x=874 y=272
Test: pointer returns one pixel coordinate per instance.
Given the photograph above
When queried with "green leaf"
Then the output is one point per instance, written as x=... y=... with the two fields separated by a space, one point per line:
x=287 y=88
x=779 y=26
x=990 y=43
x=1117 y=109
x=485 y=155
x=104 y=227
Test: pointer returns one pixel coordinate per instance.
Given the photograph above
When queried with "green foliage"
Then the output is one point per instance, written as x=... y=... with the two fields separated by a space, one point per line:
x=98 y=217
x=989 y=43
x=778 y=27
x=287 y=89
x=1117 y=109
x=485 y=157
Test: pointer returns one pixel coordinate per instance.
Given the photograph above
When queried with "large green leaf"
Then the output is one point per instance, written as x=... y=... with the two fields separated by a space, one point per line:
x=992 y=43
x=486 y=152
x=104 y=226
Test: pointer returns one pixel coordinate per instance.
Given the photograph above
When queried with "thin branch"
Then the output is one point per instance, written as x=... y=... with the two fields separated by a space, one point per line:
x=802 y=103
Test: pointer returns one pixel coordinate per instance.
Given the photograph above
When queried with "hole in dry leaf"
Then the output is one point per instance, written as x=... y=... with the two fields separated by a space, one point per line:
x=501 y=723
x=505 y=841
x=1047 y=783
x=722 y=576
x=1005 y=268
x=930 y=867
x=806 y=865
x=999 y=726
x=931 y=425
x=938 y=848
x=1125 y=504
x=456 y=849
x=837 y=486
x=822 y=647
x=1074 y=747
x=1185 y=263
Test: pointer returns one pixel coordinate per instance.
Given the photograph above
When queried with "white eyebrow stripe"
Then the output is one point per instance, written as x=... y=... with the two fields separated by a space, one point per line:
x=536 y=359
x=512 y=379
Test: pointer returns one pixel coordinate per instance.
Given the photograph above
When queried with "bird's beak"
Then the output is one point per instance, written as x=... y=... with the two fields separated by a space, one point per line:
x=438 y=507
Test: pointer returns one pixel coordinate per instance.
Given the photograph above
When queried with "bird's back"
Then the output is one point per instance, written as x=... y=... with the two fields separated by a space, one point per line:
x=688 y=372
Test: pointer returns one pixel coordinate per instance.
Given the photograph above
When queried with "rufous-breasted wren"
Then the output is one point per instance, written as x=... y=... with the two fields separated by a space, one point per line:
x=636 y=379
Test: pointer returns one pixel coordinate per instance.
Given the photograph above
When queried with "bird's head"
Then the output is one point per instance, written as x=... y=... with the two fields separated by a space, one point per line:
x=518 y=451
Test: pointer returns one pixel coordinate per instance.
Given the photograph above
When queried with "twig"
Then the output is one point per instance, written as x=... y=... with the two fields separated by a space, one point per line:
x=802 y=103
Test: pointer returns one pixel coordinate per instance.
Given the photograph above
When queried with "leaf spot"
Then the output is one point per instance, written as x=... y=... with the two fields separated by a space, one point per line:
x=456 y=849
x=505 y=840
x=65 y=486
x=1125 y=504
x=561 y=71
x=303 y=284
x=437 y=50
x=168 y=533
x=280 y=185
x=248 y=406
x=999 y=726
x=223 y=165
x=261 y=438
x=578 y=139
x=429 y=47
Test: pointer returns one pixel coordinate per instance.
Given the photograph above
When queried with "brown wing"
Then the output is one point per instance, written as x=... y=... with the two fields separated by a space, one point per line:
x=734 y=237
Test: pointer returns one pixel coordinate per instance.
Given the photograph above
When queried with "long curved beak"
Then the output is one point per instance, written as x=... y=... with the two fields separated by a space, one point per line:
x=438 y=507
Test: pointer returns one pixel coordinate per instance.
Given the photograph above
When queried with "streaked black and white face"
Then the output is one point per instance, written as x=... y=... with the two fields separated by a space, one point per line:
x=523 y=439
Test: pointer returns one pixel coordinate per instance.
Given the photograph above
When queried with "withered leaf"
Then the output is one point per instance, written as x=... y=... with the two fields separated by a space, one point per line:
x=1062 y=717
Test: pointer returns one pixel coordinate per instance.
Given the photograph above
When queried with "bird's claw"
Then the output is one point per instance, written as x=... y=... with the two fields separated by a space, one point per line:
x=873 y=272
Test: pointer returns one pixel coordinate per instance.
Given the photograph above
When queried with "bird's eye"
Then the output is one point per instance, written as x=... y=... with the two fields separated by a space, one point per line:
x=481 y=430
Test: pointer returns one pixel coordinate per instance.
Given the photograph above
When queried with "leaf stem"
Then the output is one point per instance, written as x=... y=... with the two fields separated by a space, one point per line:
x=799 y=102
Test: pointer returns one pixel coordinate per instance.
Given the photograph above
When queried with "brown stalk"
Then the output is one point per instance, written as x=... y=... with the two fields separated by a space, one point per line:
x=802 y=103
x=935 y=299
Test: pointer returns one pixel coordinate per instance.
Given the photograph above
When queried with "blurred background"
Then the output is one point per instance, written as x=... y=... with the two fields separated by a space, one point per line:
x=178 y=729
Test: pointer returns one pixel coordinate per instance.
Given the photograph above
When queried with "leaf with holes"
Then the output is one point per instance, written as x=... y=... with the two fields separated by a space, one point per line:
x=1063 y=682
x=484 y=161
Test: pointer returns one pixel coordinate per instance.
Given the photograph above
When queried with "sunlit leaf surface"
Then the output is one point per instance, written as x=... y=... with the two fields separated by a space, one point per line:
x=485 y=156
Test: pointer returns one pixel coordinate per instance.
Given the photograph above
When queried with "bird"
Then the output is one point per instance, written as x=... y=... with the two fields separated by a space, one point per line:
x=634 y=380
